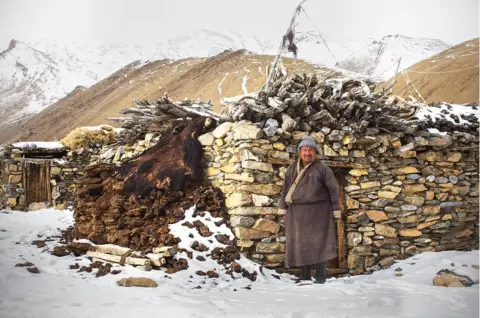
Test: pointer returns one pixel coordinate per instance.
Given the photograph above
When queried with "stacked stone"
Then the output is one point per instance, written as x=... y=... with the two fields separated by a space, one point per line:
x=12 y=187
x=64 y=174
x=242 y=164
x=118 y=153
x=404 y=193
x=419 y=194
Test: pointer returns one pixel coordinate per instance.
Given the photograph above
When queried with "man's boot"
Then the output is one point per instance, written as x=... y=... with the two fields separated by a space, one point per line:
x=321 y=273
x=305 y=273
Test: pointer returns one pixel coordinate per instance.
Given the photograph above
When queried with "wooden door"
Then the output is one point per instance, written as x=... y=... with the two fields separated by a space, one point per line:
x=36 y=181
x=340 y=262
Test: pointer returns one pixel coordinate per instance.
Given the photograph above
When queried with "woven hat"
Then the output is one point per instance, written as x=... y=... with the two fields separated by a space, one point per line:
x=307 y=141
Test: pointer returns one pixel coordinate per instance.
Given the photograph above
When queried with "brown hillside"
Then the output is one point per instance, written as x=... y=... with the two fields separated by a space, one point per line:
x=450 y=76
x=225 y=75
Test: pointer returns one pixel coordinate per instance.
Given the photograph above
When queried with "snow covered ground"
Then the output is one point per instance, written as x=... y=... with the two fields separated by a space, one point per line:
x=58 y=291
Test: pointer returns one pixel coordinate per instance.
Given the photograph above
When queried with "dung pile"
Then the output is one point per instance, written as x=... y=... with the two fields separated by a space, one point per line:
x=132 y=205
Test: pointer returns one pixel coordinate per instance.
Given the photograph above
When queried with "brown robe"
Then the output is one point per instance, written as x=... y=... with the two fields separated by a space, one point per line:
x=309 y=223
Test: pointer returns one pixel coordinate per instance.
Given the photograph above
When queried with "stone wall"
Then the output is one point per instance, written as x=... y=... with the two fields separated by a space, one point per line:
x=65 y=173
x=404 y=194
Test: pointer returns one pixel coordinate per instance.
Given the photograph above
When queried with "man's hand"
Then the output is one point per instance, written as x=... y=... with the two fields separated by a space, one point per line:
x=337 y=214
x=282 y=213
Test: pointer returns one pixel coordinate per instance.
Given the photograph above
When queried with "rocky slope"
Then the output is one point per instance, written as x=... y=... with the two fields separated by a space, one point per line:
x=450 y=76
x=379 y=59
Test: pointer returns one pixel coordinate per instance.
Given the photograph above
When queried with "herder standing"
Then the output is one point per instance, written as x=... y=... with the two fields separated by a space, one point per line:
x=310 y=198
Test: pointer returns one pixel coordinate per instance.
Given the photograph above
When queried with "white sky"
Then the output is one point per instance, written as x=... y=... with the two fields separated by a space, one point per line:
x=147 y=21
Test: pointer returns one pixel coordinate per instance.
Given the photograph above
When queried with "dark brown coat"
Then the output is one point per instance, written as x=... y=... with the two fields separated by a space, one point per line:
x=309 y=223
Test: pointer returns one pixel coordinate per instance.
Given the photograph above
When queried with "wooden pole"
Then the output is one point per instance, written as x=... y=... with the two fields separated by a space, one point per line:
x=273 y=72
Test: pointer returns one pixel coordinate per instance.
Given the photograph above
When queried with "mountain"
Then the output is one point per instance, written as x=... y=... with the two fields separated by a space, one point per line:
x=97 y=62
x=36 y=75
x=379 y=59
x=227 y=74
x=31 y=79
x=450 y=76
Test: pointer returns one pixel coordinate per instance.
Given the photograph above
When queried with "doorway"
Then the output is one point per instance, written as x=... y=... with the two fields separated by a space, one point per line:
x=36 y=179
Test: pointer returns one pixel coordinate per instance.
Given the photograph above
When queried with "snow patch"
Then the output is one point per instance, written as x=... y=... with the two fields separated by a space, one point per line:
x=444 y=111
x=219 y=88
x=58 y=291
x=53 y=145
x=244 y=84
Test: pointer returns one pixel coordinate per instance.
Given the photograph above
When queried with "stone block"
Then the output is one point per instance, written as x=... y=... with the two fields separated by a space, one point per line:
x=354 y=238
x=267 y=167
x=270 y=248
x=387 y=194
x=244 y=130
x=253 y=211
x=407 y=170
x=206 y=139
x=410 y=232
x=266 y=225
x=376 y=216
x=413 y=188
x=275 y=258
x=222 y=130
x=264 y=189
x=431 y=209
x=241 y=221
x=238 y=199
x=243 y=233
x=261 y=200
x=369 y=184
x=385 y=230
x=358 y=172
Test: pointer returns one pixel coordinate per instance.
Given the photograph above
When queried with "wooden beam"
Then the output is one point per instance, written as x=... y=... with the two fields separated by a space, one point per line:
x=351 y=165
x=341 y=241
x=118 y=259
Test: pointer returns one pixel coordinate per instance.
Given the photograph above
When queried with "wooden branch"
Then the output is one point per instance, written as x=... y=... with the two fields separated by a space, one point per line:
x=166 y=251
x=119 y=119
x=110 y=249
x=157 y=260
x=118 y=259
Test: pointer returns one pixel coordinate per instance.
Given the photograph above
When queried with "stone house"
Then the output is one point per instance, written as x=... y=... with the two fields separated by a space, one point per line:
x=405 y=188
x=401 y=193
x=36 y=175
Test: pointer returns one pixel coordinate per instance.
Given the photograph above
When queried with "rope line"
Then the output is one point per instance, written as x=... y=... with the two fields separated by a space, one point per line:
x=441 y=72
x=409 y=82
x=319 y=33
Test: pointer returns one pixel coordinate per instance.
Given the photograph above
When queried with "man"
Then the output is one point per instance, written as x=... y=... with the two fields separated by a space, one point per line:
x=310 y=198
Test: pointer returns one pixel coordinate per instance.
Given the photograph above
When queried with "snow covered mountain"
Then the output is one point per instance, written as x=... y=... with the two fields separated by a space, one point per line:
x=34 y=75
x=97 y=62
x=380 y=58
x=31 y=79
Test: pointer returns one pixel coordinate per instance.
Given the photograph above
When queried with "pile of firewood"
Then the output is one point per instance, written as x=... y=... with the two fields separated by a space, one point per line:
x=159 y=117
x=123 y=255
x=334 y=103
x=297 y=102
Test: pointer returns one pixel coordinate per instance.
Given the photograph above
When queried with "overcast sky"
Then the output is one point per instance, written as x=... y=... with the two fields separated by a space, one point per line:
x=143 y=21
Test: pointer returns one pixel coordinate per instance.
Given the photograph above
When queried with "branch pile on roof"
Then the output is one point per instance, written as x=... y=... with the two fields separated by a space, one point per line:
x=157 y=117
x=301 y=102
x=333 y=103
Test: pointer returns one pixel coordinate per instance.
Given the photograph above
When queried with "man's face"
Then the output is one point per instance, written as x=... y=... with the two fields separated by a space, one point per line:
x=308 y=154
